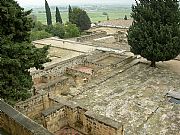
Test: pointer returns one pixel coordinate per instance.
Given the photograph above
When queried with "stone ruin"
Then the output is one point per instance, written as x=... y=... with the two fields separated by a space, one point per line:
x=100 y=91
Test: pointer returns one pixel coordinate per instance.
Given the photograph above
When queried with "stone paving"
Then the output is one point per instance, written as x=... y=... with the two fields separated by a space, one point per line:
x=137 y=98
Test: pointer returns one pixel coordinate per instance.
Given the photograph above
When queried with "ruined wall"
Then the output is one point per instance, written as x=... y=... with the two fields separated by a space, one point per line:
x=107 y=39
x=92 y=36
x=121 y=36
x=34 y=105
x=56 y=70
x=55 y=118
x=100 y=125
x=15 y=123
x=55 y=87
x=68 y=113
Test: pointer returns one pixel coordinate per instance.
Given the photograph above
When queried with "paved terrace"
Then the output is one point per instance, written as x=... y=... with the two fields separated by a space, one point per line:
x=137 y=98
x=65 y=44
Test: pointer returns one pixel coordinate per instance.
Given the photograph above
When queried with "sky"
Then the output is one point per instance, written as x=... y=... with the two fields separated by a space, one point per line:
x=72 y=2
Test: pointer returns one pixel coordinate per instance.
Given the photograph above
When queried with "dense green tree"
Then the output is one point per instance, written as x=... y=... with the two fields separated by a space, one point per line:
x=48 y=13
x=17 y=54
x=69 y=13
x=49 y=28
x=38 y=26
x=58 y=16
x=71 y=30
x=80 y=18
x=35 y=35
x=125 y=17
x=58 y=30
x=75 y=16
x=84 y=22
x=155 y=31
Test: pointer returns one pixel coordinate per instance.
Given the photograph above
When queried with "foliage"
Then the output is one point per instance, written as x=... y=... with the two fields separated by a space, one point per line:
x=58 y=30
x=35 y=35
x=74 y=15
x=84 y=22
x=80 y=18
x=125 y=17
x=71 y=30
x=155 y=32
x=33 y=17
x=17 y=54
x=69 y=13
x=48 y=13
x=107 y=18
x=105 y=13
x=58 y=16
x=38 y=26
x=49 y=29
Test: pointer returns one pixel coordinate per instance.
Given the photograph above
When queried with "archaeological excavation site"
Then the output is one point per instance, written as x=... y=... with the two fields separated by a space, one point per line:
x=94 y=85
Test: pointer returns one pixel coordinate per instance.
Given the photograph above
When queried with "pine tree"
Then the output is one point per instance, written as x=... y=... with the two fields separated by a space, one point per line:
x=70 y=13
x=155 y=33
x=17 y=54
x=48 y=13
x=58 y=16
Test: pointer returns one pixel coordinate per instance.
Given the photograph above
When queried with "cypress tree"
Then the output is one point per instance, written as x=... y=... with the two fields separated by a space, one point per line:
x=58 y=16
x=125 y=17
x=70 y=14
x=17 y=54
x=48 y=13
x=155 y=31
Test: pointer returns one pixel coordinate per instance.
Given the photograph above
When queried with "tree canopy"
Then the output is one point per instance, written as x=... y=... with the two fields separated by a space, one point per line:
x=69 y=13
x=80 y=18
x=155 y=31
x=48 y=13
x=58 y=16
x=17 y=54
x=84 y=21
x=71 y=30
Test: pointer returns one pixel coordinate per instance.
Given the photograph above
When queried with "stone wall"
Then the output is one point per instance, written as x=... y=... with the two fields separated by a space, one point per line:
x=92 y=36
x=34 y=105
x=55 y=118
x=55 y=87
x=77 y=117
x=56 y=70
x=121 y=36
x=15 y=123
x=107 y=39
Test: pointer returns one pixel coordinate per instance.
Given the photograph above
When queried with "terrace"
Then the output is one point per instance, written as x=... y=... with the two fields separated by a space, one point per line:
x=137 y=98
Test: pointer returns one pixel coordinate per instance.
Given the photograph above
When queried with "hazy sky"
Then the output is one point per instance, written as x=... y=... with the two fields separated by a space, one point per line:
x=67 y=2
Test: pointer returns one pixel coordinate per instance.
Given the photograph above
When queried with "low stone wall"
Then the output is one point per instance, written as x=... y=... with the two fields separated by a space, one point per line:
x=56 y=70
x=107 y=39
x=55 y=118
x=92 y=36
x=77 y=117
x=34 y=105
x=15 y=123
x=55 y=87
x=120 y=36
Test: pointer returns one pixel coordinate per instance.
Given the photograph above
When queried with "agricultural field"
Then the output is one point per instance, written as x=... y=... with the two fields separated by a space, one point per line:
x=95 y=12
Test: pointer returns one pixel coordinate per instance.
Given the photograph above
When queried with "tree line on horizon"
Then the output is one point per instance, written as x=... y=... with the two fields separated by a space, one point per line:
x=76 y=16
